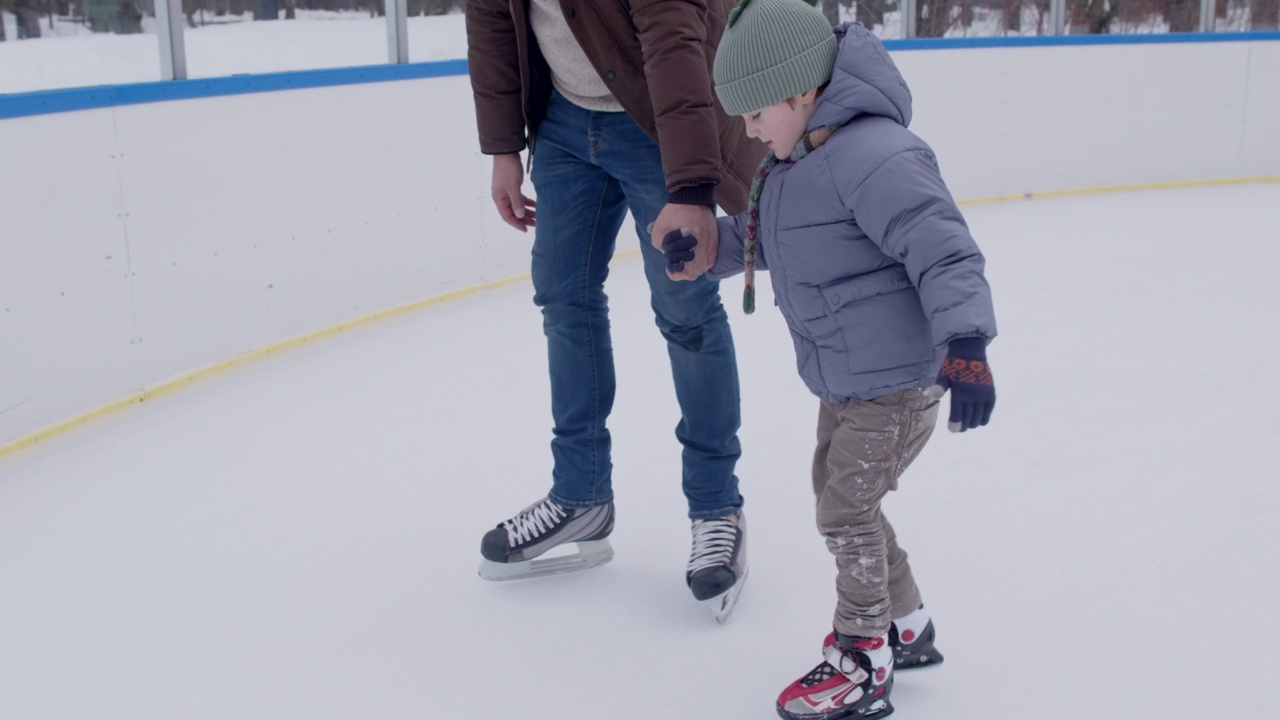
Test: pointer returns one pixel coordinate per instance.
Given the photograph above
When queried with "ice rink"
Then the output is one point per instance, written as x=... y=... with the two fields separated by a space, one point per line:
x=298 y=537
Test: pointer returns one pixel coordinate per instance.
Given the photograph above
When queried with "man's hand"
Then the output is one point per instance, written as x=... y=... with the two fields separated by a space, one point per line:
x=701 y=223
x=516 y=210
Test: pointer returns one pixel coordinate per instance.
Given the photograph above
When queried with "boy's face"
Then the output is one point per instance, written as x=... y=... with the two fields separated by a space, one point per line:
x=780 y=126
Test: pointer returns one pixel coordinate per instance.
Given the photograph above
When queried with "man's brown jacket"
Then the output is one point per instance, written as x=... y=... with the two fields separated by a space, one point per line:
x=656 y=58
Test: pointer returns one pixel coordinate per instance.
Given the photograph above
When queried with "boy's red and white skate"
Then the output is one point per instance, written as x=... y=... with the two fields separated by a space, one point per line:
x=911 y=638
x=853 y=681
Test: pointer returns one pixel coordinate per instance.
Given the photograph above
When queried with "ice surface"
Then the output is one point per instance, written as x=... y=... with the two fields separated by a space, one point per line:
x=299 y=537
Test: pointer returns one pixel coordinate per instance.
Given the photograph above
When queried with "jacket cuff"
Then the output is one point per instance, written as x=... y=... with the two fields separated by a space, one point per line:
x=695 y=195
x=969 y=348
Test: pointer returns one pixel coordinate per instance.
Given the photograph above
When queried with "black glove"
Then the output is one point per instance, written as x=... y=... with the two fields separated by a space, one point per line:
x=677 y=248
x=973 y=392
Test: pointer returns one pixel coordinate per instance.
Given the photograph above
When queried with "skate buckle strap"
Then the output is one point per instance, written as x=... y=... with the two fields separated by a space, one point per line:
x=851 y=656
x=534 y=522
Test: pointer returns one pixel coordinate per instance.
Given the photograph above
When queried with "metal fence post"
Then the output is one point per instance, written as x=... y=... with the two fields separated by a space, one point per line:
x=1206 y=16
x=173 y=52
x=1058 y=17
x=397 y=32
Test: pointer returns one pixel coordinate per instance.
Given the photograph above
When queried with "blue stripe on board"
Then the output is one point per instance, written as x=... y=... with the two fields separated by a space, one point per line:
x=56 y=101
x=1064 y=40
x=104 y=96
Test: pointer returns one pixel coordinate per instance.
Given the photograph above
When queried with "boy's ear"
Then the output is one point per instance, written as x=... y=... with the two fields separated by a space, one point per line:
x=808 y=97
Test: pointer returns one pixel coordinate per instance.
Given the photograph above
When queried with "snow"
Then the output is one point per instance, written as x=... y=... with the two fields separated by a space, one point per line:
x=298 y=537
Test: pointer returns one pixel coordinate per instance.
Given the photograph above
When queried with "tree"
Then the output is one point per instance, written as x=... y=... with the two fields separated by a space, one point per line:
x=1095 y=18
x=831 y=8
x=1182 y=15
x=933 y=17
x=1264 y=15
x=1012 y=13
x=27 y=13
x=871 y=12
x=868 y=12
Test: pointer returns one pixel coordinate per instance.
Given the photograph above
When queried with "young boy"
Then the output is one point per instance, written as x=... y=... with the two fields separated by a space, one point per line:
x=883 y=290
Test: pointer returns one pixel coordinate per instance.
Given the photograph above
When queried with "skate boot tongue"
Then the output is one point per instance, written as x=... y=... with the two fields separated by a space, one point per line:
x=718 y=562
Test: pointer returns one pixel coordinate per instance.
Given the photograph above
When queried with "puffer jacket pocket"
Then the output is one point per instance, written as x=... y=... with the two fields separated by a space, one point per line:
x=883 y=323
x=820 y=343
x=886 y=280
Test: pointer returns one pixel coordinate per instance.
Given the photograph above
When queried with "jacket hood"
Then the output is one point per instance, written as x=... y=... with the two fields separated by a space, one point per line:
x=864 y=81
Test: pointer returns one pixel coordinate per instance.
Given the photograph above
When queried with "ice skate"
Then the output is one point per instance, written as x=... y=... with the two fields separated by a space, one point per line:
x=853 y=681
x=718 y=563
x=576 y=540
x=912 y=638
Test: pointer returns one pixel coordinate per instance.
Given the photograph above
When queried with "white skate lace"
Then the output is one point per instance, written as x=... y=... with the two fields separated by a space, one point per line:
x=712 y=543
x=533 y=522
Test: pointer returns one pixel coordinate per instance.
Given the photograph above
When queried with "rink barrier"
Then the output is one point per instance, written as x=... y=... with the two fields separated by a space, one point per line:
x=209 y=371
x=46 y=102
x=191 y=378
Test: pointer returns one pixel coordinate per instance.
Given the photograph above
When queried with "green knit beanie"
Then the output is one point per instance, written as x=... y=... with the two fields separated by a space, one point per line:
x=772 y=50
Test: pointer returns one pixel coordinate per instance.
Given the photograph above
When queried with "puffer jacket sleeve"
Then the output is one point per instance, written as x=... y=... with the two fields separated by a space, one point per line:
x=673 y=37
x=729 y=261
x=494 y=62
x=905 y=207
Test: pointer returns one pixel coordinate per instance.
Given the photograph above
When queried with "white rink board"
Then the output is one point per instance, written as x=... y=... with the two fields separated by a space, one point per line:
x=144 y=242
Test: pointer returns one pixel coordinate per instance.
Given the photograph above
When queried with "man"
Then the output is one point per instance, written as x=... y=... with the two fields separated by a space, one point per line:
x=613 y=101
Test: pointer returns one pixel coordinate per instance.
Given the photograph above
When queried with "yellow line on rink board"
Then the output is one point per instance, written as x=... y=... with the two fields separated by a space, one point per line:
x=14 y=446
x=195 y=376
x=1046 y=194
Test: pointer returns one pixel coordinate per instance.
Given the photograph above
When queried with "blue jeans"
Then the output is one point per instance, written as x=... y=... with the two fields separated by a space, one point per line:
x=588 y=169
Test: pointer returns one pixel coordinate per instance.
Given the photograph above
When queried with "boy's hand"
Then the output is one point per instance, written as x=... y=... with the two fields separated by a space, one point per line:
x=701 y=223
x=677 y=247
x=973 y=392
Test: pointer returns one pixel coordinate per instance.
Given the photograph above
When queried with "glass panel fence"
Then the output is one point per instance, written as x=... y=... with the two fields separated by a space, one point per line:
x=437 y=30
x=1245 y=15
x=47 y=44
x=232 y=37
x=945 y=18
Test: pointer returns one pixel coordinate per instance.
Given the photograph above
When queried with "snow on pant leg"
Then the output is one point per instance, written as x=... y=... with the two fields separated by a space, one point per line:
x=863 y=448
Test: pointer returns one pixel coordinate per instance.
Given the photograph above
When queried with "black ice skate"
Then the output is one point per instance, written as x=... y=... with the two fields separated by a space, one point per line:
x=912 y=639
x=718 y=563
x=514 y=550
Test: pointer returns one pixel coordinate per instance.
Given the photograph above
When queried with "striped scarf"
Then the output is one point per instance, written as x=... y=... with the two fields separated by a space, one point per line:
x=810 y=142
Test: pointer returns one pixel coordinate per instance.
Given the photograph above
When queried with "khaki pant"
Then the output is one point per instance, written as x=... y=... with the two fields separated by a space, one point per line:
x=863 y=448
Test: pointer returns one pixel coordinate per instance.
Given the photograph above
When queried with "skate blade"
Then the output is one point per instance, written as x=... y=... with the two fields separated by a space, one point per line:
x=722 y=605
x=880 y=709
x=589 y=554
x=932 y=660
